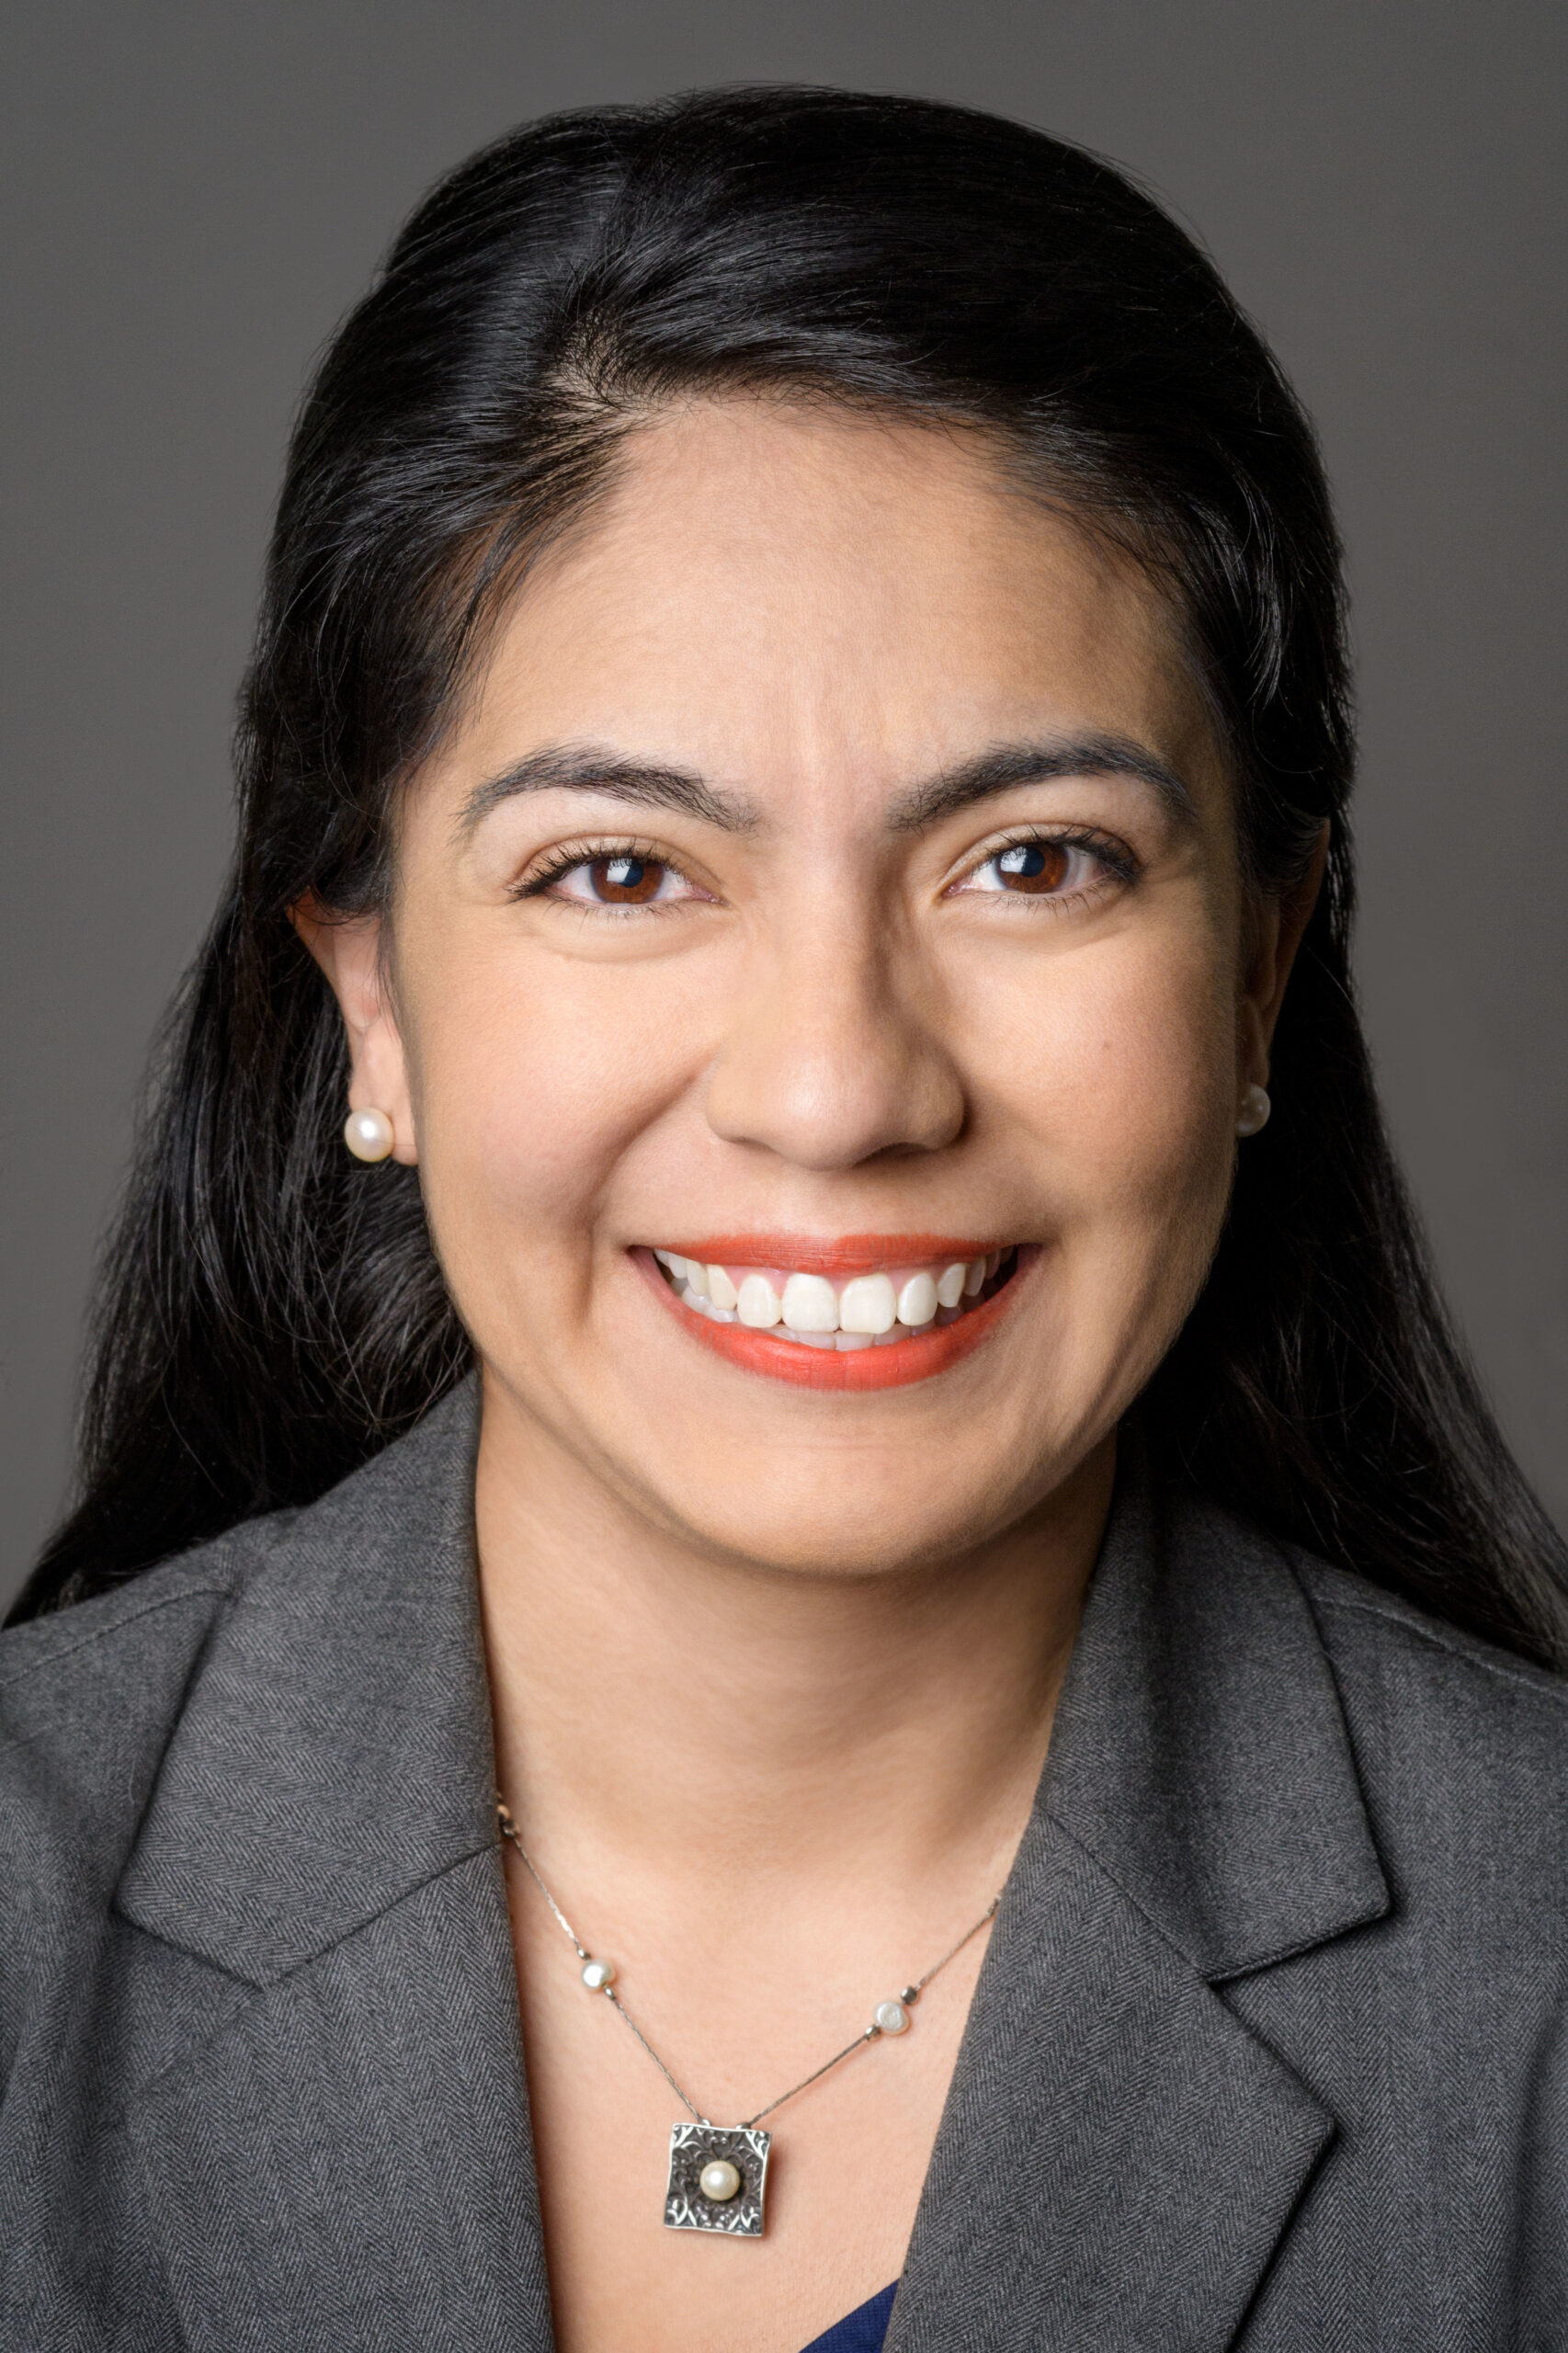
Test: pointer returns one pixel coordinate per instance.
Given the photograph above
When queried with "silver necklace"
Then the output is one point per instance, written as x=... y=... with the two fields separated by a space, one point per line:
x=718 y=2176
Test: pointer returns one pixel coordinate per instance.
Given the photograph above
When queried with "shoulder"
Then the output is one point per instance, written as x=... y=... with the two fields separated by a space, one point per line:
x=93 y=1696
x=89 y=1696
x=84 y=1687
x=88 y=1676
x=1462 y=1749
x=1456 y=1749
x=1438 y=1677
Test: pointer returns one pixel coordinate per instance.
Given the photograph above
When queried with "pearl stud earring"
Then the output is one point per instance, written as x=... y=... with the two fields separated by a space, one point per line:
x=368 y=1134
x=1255 y=1110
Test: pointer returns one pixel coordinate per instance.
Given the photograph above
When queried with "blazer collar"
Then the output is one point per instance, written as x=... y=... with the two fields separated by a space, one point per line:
x=1201 y=1751
x=334 y=1750
x=317 y=2038
x=1121 y=2153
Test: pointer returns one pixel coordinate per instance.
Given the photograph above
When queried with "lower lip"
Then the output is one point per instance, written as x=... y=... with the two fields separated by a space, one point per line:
x=894 y=1365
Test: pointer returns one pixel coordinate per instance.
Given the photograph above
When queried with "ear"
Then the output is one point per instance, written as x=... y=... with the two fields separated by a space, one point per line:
x=1276 y=934
x=349 y=950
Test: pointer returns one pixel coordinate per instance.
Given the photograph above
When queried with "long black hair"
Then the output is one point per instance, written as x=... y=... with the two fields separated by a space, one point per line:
x=271 y=1312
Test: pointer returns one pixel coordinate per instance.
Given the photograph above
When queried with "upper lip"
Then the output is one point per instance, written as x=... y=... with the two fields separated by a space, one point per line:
x=841 y=1254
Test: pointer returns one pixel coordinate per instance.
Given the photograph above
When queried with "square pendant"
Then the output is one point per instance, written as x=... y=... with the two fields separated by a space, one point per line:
x=743 y=2149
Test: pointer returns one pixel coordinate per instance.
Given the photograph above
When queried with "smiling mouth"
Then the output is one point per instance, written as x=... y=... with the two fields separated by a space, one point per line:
x=879 y=1308
x=862 y=1314
x=853 y=1314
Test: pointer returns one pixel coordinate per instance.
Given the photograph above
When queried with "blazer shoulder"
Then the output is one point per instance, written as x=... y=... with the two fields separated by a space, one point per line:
x=1359 y=1619
x=89 y=1698
x=1463 y=1747
x=48 y=1665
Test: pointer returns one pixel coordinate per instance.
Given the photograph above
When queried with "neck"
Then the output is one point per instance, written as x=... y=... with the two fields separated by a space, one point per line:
x=812 y=1724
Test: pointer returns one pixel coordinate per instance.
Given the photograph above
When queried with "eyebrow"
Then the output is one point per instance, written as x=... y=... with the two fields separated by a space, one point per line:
x=584 y=768
x=1007 y=766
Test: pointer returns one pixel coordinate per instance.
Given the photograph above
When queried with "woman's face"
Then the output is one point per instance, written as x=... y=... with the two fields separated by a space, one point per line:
x=831 y=882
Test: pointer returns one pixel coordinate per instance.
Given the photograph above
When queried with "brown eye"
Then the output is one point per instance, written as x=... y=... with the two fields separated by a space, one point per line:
x=625 y=882
x=1033 y=868
x=1068 y=873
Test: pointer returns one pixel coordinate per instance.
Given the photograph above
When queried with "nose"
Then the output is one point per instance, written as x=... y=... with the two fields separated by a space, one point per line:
x=831 y=1058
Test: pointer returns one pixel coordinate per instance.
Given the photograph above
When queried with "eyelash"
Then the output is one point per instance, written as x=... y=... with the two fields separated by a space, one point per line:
x=1122 y=866
x=572 y=855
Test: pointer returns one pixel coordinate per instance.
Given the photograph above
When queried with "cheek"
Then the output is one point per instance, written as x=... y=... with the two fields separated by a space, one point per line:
x=1122 y=1087
x=1123 y=1073
x=533 y=1080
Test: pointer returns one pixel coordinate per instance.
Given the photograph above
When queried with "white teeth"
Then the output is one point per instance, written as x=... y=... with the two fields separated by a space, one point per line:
x=917 y=1300
x=811 y=1304
x=700 y=1306
x=867 y=1304
x=869 y=1311
x=758 y=1302
x=950 y=1291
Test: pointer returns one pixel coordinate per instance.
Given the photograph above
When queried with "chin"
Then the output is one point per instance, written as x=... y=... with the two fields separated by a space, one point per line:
x=853 y=1511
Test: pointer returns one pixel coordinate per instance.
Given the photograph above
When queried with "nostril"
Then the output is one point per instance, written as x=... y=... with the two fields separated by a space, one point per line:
x=832 y=1089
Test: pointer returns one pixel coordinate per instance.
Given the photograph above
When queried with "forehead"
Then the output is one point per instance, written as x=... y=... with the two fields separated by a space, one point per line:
x=800 y=600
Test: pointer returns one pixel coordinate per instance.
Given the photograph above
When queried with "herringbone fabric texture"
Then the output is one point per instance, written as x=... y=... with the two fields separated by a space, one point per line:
x=1268 y=2051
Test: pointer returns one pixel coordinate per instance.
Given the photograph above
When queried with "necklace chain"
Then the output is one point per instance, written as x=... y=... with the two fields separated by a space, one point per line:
x=874 y=2033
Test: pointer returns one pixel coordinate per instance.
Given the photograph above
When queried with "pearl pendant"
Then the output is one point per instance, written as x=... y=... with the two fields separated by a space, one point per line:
x=718 y=2178
x=892 y=2018
x=599 y=1976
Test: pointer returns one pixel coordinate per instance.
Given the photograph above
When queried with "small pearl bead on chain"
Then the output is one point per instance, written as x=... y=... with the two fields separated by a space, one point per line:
x=893 y=2017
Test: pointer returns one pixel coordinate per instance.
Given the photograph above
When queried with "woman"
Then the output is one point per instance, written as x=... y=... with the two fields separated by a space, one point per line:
x=794 y=784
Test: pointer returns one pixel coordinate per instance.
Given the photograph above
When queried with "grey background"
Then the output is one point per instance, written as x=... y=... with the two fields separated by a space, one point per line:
x=195 y=192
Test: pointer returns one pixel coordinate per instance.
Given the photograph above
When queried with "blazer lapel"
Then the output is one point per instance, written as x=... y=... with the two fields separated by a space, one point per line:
x=344 y=2161
x=1120 y=2155
x=325 y=2068
x=316 y=2027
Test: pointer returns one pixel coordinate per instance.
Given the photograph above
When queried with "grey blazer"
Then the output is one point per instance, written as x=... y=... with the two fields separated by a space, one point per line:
x=1267 y=2051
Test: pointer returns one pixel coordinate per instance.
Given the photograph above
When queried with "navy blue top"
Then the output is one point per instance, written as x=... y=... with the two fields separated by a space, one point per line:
x=861 y=2331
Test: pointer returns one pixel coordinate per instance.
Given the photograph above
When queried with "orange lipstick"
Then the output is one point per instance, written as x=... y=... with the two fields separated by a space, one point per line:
x=890 y=1363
